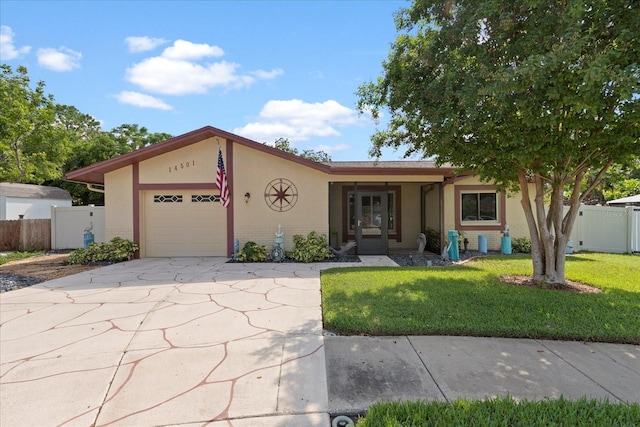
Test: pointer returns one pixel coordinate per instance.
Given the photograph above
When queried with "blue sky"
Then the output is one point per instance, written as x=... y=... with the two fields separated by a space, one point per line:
x=260 y=69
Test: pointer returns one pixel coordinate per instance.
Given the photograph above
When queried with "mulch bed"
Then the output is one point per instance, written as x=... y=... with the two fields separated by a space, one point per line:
x=569 y=286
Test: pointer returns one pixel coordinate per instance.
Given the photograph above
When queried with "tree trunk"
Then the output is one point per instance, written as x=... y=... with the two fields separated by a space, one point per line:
x=537 y=257
x=547 y=230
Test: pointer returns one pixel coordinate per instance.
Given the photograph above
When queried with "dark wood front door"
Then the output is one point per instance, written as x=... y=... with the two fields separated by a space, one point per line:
x=371 y=222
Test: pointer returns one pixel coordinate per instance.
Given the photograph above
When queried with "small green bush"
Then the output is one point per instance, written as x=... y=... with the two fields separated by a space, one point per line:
x=433 y=240
x=313 y=248
x=522 y=245
x=116 y=250
x=252 y=252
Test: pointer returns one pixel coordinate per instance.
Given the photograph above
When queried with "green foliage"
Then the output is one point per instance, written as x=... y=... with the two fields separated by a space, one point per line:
x=503 y=411
x=317 y=156
x=40 y=141
x=626 y=188
x=313 y=248
x=252 y=252
x=471 y=300
x=14 y=256
x=522 y=245
x=433 y=240
x=30 y=148
x=461 y=236
x=116 y=250
x=542 y=93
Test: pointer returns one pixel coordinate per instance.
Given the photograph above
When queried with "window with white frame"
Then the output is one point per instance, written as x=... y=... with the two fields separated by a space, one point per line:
x=479 y=206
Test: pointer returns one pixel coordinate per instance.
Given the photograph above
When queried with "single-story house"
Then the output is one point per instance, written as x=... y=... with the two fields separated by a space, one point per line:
x=30 y=201
x=165 y=198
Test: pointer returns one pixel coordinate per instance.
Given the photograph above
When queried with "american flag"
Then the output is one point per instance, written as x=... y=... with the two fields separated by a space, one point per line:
x=221 y=181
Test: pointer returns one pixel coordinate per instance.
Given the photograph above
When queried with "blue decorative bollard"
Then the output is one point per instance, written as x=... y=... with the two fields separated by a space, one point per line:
x=482 y=243
x=88 y=239
x=506 y=245
x=454 y=253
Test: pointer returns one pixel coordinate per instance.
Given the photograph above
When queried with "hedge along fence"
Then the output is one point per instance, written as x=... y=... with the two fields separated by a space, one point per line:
x=25 y=234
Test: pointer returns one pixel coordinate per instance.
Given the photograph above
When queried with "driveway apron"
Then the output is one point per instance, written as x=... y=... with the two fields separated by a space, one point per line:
x=190 y=341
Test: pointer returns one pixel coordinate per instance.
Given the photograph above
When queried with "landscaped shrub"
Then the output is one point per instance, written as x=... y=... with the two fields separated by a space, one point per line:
x=433 y=240
x=522 y=245
x=116 y=250
x=312 y=248
x=252 y=252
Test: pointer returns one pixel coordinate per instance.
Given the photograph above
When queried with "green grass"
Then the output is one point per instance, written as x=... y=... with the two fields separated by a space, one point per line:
x=13 y=256
x=502 y=412
x=470 y=300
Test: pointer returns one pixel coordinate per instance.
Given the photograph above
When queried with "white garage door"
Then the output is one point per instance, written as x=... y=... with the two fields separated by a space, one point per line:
x=184 y=223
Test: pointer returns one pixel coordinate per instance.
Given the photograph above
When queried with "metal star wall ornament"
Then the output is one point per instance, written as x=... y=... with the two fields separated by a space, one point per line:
x=281 y=195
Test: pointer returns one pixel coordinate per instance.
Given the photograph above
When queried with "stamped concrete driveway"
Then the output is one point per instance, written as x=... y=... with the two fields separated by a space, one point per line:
x=189 y=341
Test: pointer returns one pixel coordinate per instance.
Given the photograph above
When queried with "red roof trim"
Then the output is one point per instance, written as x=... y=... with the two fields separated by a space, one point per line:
x=94 y=174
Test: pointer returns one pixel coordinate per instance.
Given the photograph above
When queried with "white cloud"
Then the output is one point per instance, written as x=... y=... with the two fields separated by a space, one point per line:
x=141 y=100
x=184 y=50
x=171 y=77
x=267 y=75
x=8 y=50
x=299 y=121
x=142 y=44
x=179 y=70
x=62 y=59
x=330 y=149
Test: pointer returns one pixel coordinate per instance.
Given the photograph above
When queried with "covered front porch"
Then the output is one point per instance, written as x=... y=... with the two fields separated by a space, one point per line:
x=383 y=217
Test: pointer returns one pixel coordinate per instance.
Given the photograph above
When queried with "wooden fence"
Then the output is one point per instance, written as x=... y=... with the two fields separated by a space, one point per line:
x=25 y=234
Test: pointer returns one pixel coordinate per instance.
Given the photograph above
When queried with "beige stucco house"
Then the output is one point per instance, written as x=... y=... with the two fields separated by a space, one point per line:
x=164 y=197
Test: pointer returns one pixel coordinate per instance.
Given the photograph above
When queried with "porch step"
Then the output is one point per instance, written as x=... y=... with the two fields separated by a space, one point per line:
x=377 y=261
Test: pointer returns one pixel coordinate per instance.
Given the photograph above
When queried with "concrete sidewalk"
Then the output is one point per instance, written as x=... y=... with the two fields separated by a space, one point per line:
x=365 y=370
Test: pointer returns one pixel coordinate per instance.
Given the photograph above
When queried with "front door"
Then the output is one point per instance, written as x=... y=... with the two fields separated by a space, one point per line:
x=371 y=222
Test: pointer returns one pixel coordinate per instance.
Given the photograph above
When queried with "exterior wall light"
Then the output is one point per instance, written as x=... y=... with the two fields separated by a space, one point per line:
x=247 y=196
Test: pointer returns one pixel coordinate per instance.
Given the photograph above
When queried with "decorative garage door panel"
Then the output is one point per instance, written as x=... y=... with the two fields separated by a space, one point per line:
x=184 y=223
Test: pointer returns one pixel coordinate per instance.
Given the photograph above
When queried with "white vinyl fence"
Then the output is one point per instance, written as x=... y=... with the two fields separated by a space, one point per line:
x=607 y=229
x=68 y=225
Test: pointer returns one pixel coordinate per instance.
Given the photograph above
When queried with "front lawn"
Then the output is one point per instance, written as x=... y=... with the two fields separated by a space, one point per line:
x=470 y=300
x=502 y=412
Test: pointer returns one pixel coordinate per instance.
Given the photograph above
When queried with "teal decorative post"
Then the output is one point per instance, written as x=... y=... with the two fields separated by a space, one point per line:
x=454 y=253
x=505 y=247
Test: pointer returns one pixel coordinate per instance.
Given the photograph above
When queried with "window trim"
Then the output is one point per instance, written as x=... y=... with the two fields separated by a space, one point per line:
x=501 y=203
x=346 y=189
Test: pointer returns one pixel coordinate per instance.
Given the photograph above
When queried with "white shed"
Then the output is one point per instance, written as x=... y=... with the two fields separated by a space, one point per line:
x=31 y=201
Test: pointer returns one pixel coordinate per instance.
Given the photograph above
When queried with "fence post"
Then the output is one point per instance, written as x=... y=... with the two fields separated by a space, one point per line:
x=23 y=234
x=53 y=227
x=633 y=229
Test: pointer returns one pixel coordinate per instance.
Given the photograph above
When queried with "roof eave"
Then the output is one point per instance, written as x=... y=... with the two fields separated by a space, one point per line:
x=94 y=174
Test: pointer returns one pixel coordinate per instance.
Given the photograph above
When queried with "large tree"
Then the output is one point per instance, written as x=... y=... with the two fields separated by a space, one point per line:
x=133 y=137
x=521 y=92
x=317 y=156
x=30 y=147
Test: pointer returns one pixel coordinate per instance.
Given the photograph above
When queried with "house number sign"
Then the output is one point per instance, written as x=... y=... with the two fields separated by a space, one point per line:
x=184 y=165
